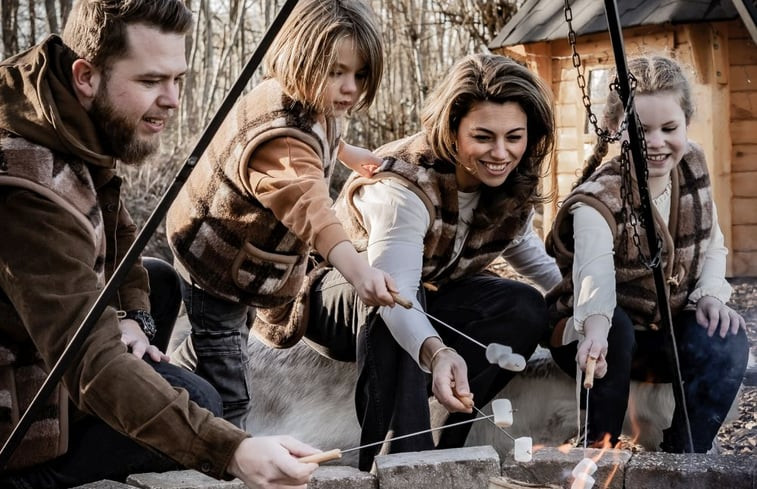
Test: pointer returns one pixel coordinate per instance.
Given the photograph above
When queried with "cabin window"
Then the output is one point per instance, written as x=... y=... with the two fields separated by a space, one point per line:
x=599 y=88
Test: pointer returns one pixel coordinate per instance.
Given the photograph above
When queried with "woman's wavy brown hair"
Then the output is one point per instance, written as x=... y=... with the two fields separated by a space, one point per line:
x=498 y=79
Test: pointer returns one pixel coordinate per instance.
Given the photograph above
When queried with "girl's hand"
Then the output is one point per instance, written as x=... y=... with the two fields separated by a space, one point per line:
x=374 y=288
x=594 y=344
x=716 y=316
x=360 y=160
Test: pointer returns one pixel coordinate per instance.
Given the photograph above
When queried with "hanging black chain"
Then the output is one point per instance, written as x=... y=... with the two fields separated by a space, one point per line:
x=628 y=210
x=603 y=133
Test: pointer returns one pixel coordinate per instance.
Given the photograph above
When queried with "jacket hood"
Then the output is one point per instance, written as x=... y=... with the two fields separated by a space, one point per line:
x=39 y=103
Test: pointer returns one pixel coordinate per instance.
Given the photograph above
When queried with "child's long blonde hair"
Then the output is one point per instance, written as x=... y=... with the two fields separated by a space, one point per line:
x=653 y=74
x=305 y=50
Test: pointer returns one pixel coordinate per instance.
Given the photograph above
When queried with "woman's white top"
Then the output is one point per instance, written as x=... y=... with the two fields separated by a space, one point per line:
x=397 y=222
x=594 y=269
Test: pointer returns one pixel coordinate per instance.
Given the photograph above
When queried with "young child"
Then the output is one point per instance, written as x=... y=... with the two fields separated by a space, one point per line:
x=606 y=306
x=258 y=201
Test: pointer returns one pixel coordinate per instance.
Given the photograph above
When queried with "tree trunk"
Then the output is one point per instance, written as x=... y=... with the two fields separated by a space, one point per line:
x=9 y=14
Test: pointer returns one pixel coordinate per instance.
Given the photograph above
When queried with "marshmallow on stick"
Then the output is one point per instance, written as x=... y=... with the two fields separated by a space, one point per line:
x=585 y=466
x=503 y=412
x=582 y=481
x=523 y=450
x=504 y=356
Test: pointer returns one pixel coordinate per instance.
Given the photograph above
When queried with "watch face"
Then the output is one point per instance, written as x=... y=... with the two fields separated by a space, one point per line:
x=145 y=321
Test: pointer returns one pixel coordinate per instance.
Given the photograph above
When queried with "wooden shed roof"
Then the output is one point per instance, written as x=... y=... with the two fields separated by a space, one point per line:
x=543 y=20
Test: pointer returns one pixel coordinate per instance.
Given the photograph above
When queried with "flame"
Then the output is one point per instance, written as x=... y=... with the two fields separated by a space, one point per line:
x=635 y=427
x=604 y=445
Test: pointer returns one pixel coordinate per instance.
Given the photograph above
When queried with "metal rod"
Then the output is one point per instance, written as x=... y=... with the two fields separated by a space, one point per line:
x=459 y=423
x=450 y=327
x=493 y=423
x=152 y=223
x=616 y=37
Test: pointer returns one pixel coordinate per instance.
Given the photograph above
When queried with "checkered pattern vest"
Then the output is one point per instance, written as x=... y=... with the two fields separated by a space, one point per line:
x=412 y=162
x=685 y=240
x=220 y=234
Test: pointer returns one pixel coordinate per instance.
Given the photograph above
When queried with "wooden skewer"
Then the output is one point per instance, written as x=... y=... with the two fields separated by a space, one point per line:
x=591 y=364
x=401 y=300
x=318 y=458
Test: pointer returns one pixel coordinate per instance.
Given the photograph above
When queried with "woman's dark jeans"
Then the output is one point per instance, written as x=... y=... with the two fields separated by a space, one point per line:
x=96 y=451
x=711 y=370
x=392 y=391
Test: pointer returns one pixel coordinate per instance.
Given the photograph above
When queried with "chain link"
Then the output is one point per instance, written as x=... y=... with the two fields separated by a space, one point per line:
x=604 y=134
x=628 y=210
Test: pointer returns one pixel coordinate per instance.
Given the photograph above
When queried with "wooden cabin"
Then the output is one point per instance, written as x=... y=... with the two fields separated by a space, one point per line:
x=716 y=39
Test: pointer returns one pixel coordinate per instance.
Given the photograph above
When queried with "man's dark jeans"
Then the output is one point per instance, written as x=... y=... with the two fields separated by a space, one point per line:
x=96 y=451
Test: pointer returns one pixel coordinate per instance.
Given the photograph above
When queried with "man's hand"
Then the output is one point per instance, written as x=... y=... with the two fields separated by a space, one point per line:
x=270 y=462
x=134 y=339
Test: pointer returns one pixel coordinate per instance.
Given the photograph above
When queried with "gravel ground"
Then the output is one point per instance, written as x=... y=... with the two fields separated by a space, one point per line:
x=740 y=435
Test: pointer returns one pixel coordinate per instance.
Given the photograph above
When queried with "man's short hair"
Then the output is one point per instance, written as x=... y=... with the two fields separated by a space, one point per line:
x=96 y=29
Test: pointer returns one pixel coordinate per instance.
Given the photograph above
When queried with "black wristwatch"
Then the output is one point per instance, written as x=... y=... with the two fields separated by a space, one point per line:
x=145 y=321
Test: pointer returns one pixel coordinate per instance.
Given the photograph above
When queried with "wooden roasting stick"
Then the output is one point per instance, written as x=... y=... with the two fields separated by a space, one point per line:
x=318 y=458
x=401 y=300
x=591 y=364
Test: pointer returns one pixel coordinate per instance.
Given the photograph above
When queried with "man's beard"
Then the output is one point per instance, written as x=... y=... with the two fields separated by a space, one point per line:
x=119 y=134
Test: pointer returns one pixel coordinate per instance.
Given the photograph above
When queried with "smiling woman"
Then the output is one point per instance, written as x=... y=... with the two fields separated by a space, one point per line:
x=491 y=140
x=443 y=205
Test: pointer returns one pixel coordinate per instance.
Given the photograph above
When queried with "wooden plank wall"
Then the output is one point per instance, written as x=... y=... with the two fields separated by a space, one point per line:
x=743 y=129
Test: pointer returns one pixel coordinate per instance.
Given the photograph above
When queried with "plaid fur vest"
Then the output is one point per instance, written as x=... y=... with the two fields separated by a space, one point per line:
x=68 y=183
x=220 y=234
x=412 y=162
x=684 y=240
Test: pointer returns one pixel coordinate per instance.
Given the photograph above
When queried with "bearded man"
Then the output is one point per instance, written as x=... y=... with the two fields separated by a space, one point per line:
x=71 y=108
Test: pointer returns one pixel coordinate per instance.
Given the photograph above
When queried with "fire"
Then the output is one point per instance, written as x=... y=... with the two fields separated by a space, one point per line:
x=635 y=428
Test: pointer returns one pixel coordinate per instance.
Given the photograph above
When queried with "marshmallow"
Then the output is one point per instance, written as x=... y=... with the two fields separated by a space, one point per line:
x=495 y=351
x=504 y=356
x=585 y=466
x=513 y=362
x=522 y=452
x=503 y=412
x=582 y=481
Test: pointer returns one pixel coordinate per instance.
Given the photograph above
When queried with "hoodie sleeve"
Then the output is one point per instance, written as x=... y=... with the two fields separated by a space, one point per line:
x=47 y=273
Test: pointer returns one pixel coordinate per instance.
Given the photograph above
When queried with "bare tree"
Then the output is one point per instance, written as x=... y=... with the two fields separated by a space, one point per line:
x=51 y=14
x=9 y=14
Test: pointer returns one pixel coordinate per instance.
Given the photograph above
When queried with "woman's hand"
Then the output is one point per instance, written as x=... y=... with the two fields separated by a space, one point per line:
x=135 y=339
x=450 y=376
x=594 y=344
x=270 y=462
x=716 y=316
